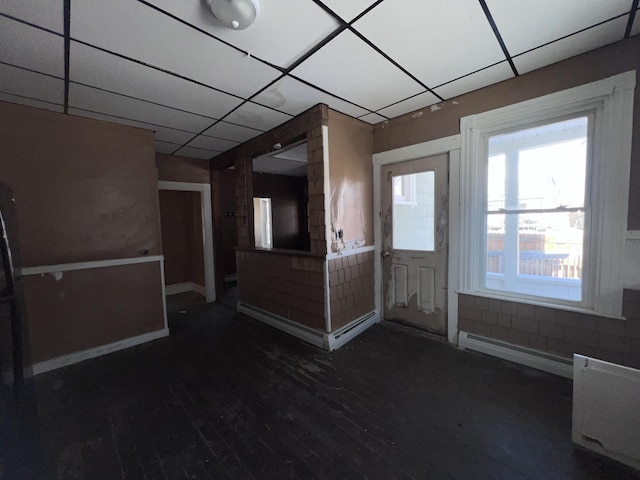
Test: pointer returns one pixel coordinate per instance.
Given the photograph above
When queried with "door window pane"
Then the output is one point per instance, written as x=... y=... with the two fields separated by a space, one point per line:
x=414 y=211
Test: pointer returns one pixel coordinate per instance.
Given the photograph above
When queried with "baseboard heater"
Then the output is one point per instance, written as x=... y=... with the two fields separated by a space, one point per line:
x=606 y=409
x=515 y=353
x=324 y=340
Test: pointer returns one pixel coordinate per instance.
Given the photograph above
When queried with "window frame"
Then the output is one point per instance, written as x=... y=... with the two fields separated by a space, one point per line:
x=611 y=102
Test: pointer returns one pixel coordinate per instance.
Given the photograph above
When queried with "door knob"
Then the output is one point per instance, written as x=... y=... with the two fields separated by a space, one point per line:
x=385 y=254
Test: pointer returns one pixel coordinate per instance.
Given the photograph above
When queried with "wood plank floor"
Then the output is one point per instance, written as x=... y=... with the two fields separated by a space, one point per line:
x=225 y=397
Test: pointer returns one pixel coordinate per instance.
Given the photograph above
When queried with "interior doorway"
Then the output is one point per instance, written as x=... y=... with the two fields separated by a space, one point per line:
x=414 y=220
x=187 y=237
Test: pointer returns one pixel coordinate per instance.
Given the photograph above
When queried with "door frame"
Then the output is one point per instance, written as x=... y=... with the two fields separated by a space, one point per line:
x=451 y=146
x=207 y=227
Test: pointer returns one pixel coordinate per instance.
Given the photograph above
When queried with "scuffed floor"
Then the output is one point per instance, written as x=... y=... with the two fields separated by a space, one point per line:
x=228 y=398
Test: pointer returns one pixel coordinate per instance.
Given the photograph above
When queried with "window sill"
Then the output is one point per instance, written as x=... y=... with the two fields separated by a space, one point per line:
x=541 y=303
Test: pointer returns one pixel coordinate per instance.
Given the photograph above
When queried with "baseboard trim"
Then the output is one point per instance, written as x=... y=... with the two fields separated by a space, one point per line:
x=324 y=340
x=537 y=359
x=186 y=287
x=351 y=330
x=81 y=356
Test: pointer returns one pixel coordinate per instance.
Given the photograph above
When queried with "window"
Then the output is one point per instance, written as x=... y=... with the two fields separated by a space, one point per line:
x=414 y=211
x=539 y=221
x=262 y=222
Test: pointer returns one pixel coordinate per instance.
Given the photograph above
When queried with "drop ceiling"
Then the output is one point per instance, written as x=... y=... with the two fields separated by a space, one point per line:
x=167 y=66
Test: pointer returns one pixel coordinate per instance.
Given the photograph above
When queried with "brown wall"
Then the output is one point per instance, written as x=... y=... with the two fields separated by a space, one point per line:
x=595 y=65
x=288 y=208
x=182 y=169
x=85 y=190
x=181 y=220
x=288 y=285
x=89 y=308
x=351 y=177
x=351 y=285
x=557 y=331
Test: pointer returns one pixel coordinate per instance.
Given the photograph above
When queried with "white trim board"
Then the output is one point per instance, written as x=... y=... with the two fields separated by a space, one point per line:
x=81 y=356
x=446 y=145
x=546 y=362
x=351 y=251
x=207 y=229
x=68 y=267
x=185 y=287
x=326 y=341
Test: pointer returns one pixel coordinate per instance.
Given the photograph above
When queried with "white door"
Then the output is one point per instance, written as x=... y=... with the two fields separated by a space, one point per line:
x=415 y=205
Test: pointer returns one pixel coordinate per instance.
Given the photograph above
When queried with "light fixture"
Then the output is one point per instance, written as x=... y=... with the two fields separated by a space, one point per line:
x=235 y=14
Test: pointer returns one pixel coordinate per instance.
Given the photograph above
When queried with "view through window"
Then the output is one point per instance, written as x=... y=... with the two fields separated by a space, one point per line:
x=536 y=210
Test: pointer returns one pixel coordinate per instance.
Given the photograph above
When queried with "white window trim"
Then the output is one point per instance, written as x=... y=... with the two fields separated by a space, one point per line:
x=612 y=99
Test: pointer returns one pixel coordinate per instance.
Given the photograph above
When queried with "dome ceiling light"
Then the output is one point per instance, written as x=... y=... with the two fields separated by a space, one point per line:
x=235 y=14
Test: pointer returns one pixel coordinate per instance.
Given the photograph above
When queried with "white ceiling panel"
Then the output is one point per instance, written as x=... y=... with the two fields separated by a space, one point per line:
x=165 y=147
x=162 y=133
x=526 y=25
x=111 y=104
x=372 y=118
x=7 y=97
x=582 y=42
x=477 y=80
x=351 y=69
x=233 y=132
x=635 y=30
x=409 y=105
x=36 y=86
x=138 y=31
x=197 y=153
x=47 y=14
x=100 y=69
x=257 y=116
x=270 y=37
x=349 y=10
x=437 y=42
x=294 y=97
x=31 y=47
x=210 y=143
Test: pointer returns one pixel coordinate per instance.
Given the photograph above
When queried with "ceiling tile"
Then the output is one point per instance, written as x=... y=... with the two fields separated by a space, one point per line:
x=437 y=42
x=409 y=105
x=294 y=97
x=635 y=30
x=477 y=80
x=571 y=46
x=31 y=47
x=47 y=14
x=526 y=25
x=348 y=67
x=229 y=131
x=165 y=147
x=138 y=31
x=162 y=133
x=210 y=143
x=111 y=104
x=349 y=10
x=7 y=97
x=36 y=86
x=257 y=116
x=284 y=30
x=372 y=118
x=196 y=153
x=101 y=69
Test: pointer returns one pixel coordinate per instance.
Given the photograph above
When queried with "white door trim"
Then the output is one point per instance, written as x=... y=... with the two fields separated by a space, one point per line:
x=451 y=146
x=207 y=227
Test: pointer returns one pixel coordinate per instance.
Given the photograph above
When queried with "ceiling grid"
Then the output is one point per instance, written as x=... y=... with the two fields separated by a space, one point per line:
x=170 y=67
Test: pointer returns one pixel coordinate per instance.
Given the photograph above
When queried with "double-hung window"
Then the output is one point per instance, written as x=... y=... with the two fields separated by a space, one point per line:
x=544 y=196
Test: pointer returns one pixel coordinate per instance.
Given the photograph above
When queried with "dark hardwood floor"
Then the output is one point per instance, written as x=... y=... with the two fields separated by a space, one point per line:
x=225 y=397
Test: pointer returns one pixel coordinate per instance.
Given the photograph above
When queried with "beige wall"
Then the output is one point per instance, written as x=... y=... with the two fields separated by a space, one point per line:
x=351 y=177
x=85 y=190
x=174 y=168
x=596 y=65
